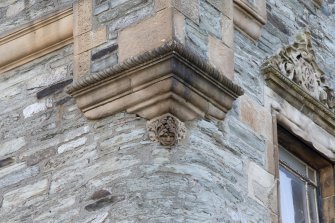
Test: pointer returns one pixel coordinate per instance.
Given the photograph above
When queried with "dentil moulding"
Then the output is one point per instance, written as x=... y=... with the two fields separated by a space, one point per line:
x=169 y=80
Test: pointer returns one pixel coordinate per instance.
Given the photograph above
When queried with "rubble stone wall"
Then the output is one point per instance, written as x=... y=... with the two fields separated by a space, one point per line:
x=57 y=166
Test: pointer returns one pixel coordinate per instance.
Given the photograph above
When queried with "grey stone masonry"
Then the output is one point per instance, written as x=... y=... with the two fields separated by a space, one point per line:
x=57 y=166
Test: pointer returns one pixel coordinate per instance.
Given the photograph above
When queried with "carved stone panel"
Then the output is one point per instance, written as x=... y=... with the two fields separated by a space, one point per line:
x=294 y=74
x=297 y=63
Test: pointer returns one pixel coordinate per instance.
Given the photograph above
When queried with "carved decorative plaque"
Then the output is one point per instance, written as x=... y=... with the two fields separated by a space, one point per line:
x=294 y=74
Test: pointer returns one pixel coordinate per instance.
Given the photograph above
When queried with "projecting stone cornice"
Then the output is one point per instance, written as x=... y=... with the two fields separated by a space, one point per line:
x=36 y=39
x=294 y=74
x=168 y=82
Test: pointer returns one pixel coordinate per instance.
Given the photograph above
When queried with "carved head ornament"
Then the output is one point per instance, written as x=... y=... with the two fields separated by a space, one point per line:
x=166 y=129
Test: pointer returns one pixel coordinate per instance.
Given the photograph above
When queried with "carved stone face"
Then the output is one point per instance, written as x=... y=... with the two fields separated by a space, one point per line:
x=166 y=129
x=167 y=138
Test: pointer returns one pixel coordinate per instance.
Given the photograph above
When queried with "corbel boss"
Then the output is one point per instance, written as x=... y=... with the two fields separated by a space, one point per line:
x=167 y=85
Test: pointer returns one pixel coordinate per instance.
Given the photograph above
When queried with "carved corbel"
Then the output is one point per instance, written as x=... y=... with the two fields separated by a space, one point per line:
x=166 y=129
x=167 y=85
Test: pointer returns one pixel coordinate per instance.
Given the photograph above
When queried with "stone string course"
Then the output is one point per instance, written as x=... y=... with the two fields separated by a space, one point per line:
x=56 y=166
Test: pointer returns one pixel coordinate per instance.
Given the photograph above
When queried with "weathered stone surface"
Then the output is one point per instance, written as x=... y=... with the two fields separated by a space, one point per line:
x=20 y=175
x=20 y=195
x=225 y=6
x=89 y=40
x=82 y=12
x=12 y=168
x=189 y=8
x=101 y=8
x=72 y=145
x=146 y=35
x=228 y=31
x=250 y=16
x=104 y=202
x=6 y=162
x=82 y=64
x=256 y=116
x=36 y=108
x=210 y=19
x=221 y=56
x=52 y=89
x=196 y=39
x=245 y=141
x=11 y=146
x=260 y=190
x=205 y=178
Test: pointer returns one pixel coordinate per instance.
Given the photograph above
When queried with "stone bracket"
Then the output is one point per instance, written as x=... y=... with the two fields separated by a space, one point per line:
x=166 y=129
x=167 y=80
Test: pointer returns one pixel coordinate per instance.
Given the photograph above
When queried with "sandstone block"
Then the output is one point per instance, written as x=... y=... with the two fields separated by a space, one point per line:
x=179 y=27
x=146 y=35
x=221 y=56
x=328 y=185
x=82 y=12
x=260 y=190
x=225 y=6
x=228 y=31
x=255 y=116
x=163 y=4
x=249 y=18
x=20 y=195
x=189 y=8
x=328 y=208
x=89 y=40
x=82 y=64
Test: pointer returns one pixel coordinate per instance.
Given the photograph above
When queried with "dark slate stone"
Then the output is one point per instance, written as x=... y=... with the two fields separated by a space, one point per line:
x=210 y=19
x=6 y=162
x=196 y=39
x=100 y=194
x=53 y=88
x=63 y=101
x=104 y=202
x=104 y=52
x=276 y=22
